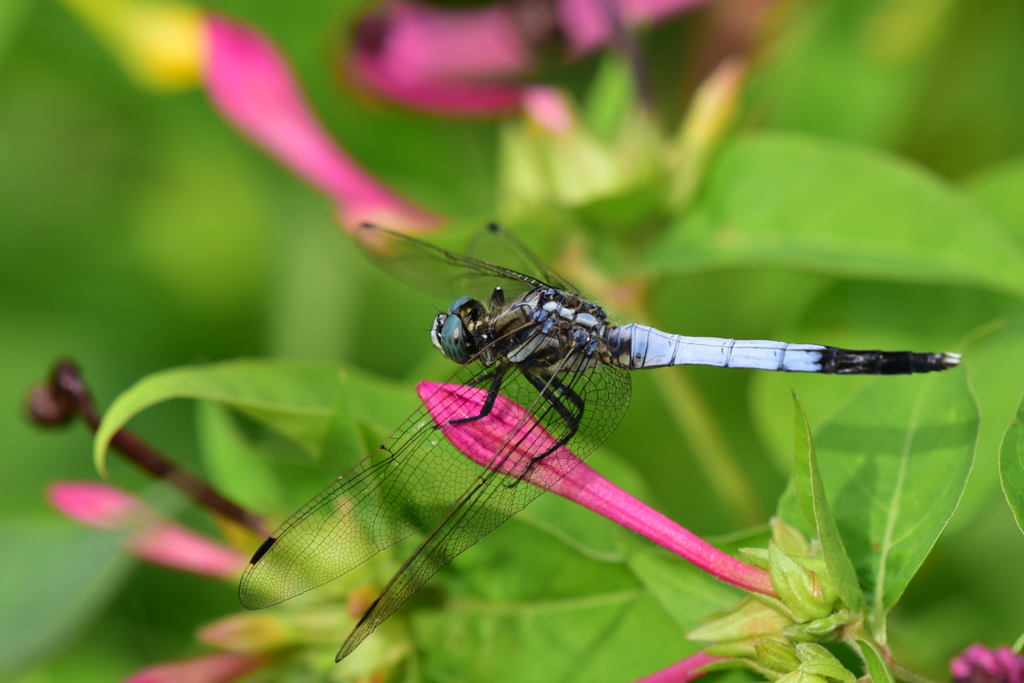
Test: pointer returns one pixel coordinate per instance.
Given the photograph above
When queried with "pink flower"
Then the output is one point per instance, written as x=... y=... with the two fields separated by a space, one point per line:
x=563 y=473
x=979 y=664
x=682 y=671
x=219 y=667
x=466 y=62
x=250 y=83
x=441 y=60
x=151 y=538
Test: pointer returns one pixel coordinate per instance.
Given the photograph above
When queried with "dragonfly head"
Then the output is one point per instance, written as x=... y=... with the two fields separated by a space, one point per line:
x=448 y=332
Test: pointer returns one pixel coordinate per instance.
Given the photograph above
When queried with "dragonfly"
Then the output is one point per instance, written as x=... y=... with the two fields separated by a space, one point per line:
x=525 y=335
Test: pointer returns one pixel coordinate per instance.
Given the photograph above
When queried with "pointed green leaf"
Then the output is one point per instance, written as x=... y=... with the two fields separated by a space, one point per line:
x=797 y=201
x=1011 y=465
x=895 y=462
x=806 y=474
x=685 y=592
x=295 y=399
x=877 y=667
x=234 y=465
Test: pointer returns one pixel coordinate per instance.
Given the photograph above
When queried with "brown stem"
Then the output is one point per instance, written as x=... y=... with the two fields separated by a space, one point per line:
x=67 y=395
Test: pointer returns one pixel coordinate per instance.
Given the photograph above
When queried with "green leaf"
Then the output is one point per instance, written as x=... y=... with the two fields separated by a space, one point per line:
x=787 y=200
x=295 y=399
x=685 y=592
x=54 y=578
x=877 y=667
x=12 y=14
x=523 y=606
x=235 y=466
x=811 y=493
x=895 y=462
x=1011 y=465
x=876 y=50
x=610 y=95
x=997 y=190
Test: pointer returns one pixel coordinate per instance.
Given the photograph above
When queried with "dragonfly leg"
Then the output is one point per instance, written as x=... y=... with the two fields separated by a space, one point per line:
x=492 y=396
x=550 y=388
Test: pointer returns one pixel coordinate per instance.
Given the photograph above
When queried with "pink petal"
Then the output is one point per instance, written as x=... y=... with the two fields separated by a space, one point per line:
x=172 y=545
x=249 y=82
x=95 y=504
x=587 y=25
x=153 y=540
x=423 y=43
x=549 y=108
x=441 y=60
x=683 y=670
x=220 y=667
x=507 y=438
x=978 y=662
x=451 y=98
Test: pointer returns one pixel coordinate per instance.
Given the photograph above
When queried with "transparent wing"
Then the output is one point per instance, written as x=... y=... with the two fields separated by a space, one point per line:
x=418 y=482
x=431 y=268
x=493 y=496
x=495 y=244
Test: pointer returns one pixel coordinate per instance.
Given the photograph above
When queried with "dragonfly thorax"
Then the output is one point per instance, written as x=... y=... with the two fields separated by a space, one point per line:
x=537 y=328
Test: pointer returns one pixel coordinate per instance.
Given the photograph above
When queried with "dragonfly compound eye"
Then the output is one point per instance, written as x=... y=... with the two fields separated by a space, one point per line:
x=453 y=340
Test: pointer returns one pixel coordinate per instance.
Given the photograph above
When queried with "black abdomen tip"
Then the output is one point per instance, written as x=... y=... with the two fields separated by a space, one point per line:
x=847 y=362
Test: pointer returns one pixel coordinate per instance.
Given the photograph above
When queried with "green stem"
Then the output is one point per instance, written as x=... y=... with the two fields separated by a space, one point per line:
x=698 y=426
x=902 y=673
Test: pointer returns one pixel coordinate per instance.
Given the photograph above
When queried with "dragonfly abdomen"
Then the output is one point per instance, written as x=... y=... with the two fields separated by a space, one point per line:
x=639 y=346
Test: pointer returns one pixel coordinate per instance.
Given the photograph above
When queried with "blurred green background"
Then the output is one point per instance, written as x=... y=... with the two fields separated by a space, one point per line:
x=139 y=231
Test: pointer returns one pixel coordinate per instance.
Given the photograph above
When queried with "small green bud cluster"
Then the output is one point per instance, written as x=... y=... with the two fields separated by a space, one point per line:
x=779 y=637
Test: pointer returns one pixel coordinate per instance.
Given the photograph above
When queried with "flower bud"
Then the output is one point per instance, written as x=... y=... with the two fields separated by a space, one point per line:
x=161 y=44
x=817 y=629
x=789 y=539
x=706 y=122
x=997 y=665
x=735 y=649
x=809 y=593
x=816 y=660
x=252 y=633
x=756 y=556
x=748 y=619
x=776 y=655
x=801 y=676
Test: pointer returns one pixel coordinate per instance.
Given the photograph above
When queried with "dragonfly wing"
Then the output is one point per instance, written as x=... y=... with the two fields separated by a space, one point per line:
x=497 y=245
x=431 y=268
x=495 y=496
x=400 y=489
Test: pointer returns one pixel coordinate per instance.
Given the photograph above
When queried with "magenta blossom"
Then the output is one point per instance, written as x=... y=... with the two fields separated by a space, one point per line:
x=683 y=671
x=152 y=538
x=250 y=83
x=563 y=473
x=219 y=667
x=467 y=61
x=979 y=664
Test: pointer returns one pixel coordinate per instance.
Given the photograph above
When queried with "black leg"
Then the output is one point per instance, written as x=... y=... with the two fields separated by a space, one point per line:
x=548 y=389
x=485 y=409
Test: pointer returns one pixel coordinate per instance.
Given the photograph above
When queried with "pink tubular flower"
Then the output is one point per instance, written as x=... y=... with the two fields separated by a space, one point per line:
x=509 y=430
x=219 y=667
x=462 y=62
x=683 y=671
x=438 y=60
x=979 y=664
x=152 y=538
x=250 y=83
